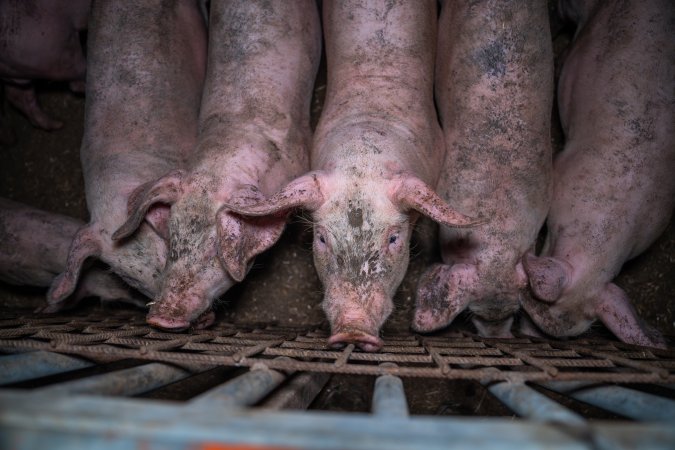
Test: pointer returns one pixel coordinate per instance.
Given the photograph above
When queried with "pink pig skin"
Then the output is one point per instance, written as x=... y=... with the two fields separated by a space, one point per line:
x=145 y=75
x=376 y=151
x=494 y=90
x=614 y=183
x=39 y=39
x=254 y=138
x=34 y=251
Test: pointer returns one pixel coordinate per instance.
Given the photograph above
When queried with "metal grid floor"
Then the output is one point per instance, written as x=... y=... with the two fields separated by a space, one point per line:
x=285 y=368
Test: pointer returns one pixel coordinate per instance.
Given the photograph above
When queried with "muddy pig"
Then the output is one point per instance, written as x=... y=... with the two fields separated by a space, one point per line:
x=376 y=153
x=34 y=251
x=614 y=189
x=40 y=39
x=254 y=137
x=146 y=65
x=494 y=90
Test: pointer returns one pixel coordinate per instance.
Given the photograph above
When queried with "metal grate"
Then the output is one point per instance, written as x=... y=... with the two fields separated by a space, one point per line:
x=116 y=335
x=262 y=377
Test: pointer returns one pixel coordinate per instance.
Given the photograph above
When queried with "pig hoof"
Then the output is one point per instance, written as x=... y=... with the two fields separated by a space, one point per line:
x=173 y=325
x=365 y=342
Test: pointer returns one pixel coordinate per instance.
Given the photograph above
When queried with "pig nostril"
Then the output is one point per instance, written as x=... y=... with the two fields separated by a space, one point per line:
x=364 y=341
x=172 y=325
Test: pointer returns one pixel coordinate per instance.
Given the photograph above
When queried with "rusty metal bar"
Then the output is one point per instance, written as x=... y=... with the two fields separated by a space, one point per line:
x=30 y=365
x=132 y=381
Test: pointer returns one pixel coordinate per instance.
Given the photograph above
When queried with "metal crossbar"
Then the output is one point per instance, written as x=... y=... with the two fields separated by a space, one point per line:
x=123 y=334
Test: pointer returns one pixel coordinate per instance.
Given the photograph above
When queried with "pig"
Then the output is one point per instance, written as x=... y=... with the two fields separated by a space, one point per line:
x=254 y=137
x=376 y=152
x=494 y=91
x=613 y=183
x=146 y=65
x=40 y=39
x=35 y=249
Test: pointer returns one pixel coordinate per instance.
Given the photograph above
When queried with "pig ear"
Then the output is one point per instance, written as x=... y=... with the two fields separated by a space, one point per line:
x=303 y=192
x=85 y=244
x=442 y=293
x=240 y=239
x=614 y=309
x=409 y=192
x=547 y=276
x=146 y=196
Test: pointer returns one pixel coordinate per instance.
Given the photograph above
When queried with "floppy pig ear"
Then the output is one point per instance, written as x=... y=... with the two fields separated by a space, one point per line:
x=85 y=244
x=303 y=192
x=240 y=239
x=442 y=293
x=165 y=190
x=409 y=192
x=614 y=309
x=547 y=276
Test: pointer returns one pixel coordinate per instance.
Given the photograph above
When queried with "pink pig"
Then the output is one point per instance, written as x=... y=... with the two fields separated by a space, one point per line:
x=614 y=183
x=376 y=153
x=40 y=39
x=494 y=90
x=146 y=64
x=254 y=138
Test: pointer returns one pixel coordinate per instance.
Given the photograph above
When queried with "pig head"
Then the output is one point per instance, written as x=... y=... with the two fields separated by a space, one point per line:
x=210 y=249
x=363 y=219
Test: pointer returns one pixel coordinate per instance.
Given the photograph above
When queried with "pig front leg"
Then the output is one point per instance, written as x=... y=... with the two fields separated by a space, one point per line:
x=614 y=188
x=494 y=86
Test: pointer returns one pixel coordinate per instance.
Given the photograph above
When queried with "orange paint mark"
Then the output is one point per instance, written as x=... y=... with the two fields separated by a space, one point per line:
x=218 y=446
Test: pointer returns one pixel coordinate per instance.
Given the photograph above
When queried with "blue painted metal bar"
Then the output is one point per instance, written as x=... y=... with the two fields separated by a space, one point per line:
x=77 y=421
x=389 y=397
x=246 y=389
x=31 y=365
x=530 y=404
x=298 y=393
x=132 y=381
x=624 y=401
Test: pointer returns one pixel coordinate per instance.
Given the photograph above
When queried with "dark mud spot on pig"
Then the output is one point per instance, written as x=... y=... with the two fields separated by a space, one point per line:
x=355 y=216
x=492 y=59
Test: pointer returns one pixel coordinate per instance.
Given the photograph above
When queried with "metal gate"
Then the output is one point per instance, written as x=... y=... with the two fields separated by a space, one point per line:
x=74 y=381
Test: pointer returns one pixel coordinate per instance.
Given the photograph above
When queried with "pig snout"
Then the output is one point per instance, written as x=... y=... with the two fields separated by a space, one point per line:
x=356 y=316
x=362 y=339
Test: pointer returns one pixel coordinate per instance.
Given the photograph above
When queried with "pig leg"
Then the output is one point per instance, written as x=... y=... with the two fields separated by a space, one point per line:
x=614 y=189
x=24 y=98
x=494 y=85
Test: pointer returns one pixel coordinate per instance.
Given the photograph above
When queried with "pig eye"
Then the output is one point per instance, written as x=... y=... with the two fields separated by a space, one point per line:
x=393 y=238
x=321 y=238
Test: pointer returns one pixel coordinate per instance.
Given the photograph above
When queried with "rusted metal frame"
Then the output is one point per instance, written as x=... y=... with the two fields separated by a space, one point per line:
x=621 y=361
x=542 y=365
x=182 y=358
